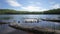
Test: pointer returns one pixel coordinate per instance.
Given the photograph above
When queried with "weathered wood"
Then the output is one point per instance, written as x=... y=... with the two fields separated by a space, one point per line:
x=51 y=20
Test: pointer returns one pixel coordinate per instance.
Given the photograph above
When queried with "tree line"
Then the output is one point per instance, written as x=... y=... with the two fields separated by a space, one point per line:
x=9 y=11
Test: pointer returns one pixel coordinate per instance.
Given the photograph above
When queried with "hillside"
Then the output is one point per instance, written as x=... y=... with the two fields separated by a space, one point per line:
x=9 y=11
x=53 y=11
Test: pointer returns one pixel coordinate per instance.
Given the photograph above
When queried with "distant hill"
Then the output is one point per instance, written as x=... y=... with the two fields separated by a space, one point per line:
x=9 y=11
x=53 y=11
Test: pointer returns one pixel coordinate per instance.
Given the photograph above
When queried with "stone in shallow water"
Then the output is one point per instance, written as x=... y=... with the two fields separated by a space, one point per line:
x=31 y=20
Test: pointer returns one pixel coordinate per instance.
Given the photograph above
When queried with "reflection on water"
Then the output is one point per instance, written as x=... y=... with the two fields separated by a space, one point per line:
x=5 y=29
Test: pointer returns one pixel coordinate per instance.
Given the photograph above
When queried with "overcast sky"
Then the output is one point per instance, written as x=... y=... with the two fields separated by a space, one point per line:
x=30 y=5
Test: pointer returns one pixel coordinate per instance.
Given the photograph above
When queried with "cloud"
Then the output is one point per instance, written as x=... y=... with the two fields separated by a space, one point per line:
x=13 y=3
x=31 y=2
x=52 y=2
x=34 y=3
x=33 y=8
x=38 y=3
x=55 y=6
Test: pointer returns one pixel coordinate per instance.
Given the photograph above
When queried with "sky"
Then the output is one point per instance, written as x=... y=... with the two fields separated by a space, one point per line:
x=30 y=5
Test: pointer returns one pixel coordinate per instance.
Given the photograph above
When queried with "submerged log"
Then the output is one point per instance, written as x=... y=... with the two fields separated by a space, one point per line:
x=50 y=20
x=3 y=23
x=33 y=30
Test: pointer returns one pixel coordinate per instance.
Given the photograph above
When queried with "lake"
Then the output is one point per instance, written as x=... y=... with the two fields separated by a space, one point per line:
x=5 y=29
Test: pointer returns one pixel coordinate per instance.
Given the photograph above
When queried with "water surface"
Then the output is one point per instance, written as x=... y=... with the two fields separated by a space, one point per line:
x=5 y=29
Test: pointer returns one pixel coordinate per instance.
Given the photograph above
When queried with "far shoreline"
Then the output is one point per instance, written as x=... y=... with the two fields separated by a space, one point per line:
x=29 y=14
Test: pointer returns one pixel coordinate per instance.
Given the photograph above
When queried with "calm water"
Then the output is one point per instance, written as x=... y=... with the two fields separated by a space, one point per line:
x=5 y=29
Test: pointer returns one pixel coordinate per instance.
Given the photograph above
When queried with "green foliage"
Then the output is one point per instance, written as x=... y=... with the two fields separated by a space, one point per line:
x=9 y=11
x=53 y=11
